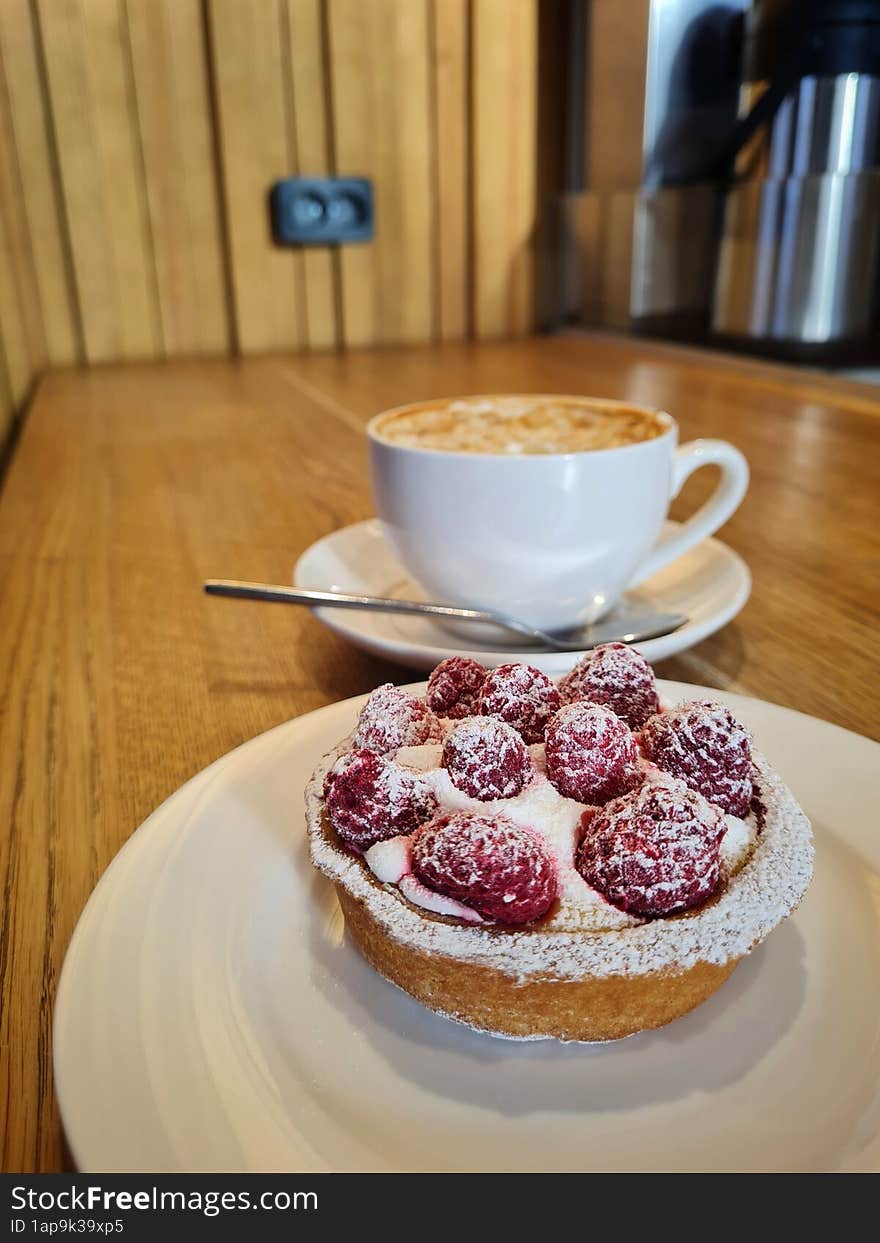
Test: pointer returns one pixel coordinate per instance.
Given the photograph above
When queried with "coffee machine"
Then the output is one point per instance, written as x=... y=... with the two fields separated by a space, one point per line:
x=799 y=251
x=754 y=218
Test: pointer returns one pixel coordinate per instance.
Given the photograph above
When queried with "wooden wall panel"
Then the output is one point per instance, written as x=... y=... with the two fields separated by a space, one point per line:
x=21 y=329
x=13 y=330
x=505 y=54
x=314 y=153
x=18 y=278
x=139 y=140
x=37 y=184
x=250 y=63
x=616 y=50
x=7 y=405
x=451 y=68
x=382 y=129
x=174 y=116
x=94 y=119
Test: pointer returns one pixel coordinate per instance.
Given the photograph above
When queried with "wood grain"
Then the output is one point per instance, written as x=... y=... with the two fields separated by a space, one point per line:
x=98 y=142
x=250 y=75
x=131 y=484
x=21 y=322
x=378 y=56
x=617 y=41
x=7 y=405
x=36 y=184
x=13 y=329
x=504 y=84
x=139 y=140
x=451 y=146
x=313 y=135
x=170 y=72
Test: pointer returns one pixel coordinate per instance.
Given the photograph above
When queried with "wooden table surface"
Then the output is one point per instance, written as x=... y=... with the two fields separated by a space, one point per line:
x=131 y=484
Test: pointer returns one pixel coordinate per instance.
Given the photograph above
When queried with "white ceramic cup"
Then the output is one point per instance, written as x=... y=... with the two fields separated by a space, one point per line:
x=552 y=539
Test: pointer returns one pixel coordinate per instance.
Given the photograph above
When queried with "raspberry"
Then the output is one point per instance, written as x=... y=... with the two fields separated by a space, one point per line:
x=486 y=758
x=757 y=806
x=494 y=866
x=654 y=851
x=591 y=754
x=332 y=773
x=708 y=748
x=617 y=676
x=522 y=696
x=370 y=798
x=454 y=687
x=391 y=718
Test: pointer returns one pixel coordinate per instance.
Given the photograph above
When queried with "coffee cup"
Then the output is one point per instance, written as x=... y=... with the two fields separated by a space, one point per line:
x=541 y=506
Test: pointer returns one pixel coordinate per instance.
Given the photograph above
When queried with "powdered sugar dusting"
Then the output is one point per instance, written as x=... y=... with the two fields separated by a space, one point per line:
x=422 y=759
x=499 y=868
x=541 y=809
x=771 y=881
x=591 y=753
x=736 y=844
x=393 y=718
x=522 y=696
x=455 y=686
x=370 y=797
x=655 y=851
x=486 y=758
x=618 y=677
x=704 y=744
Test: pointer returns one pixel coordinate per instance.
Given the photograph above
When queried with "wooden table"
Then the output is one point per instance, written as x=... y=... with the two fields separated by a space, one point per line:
x=131 y=484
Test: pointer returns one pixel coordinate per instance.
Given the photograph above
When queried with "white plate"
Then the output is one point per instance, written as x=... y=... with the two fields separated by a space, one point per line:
x=709 y=584
x=212 y=1016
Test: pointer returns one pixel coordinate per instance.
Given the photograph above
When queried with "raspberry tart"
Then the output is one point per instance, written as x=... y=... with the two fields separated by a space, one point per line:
x=536 y=860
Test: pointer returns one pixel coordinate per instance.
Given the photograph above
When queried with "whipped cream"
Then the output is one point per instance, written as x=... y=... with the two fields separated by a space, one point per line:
x=541 y=808
x=764 y=891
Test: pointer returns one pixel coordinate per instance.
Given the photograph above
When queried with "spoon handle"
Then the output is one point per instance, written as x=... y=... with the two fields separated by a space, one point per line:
x=628 y=630
x=298 y=595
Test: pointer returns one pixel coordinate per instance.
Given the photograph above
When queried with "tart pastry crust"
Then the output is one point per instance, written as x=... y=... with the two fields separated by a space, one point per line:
x=532 y=982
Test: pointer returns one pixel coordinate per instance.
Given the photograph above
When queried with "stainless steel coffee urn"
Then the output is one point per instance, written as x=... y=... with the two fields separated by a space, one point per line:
x=798 y=267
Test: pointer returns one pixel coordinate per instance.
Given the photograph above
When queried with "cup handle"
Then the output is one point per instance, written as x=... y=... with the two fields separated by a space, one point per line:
x=710 y=516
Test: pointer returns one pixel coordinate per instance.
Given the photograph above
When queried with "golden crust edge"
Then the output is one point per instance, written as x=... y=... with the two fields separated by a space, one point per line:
x=590 y=1009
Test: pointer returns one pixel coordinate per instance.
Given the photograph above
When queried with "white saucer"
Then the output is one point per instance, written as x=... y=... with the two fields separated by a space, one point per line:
x=212 y=1015
x=709 y=584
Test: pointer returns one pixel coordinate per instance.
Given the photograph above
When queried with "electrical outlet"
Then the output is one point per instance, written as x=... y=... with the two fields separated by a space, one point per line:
x=318 y=211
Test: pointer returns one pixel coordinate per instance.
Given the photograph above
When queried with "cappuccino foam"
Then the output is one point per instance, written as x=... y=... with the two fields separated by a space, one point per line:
x=519 y=426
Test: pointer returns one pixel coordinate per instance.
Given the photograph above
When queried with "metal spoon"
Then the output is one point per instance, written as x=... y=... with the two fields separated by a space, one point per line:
x=630 y=630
